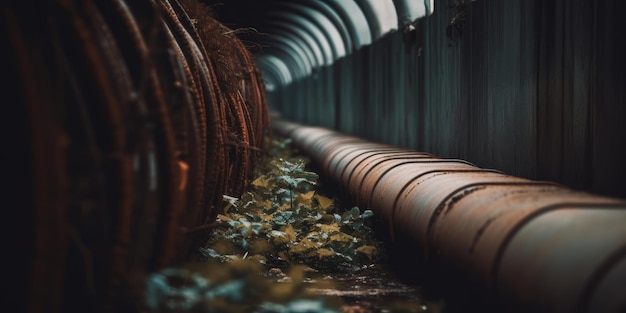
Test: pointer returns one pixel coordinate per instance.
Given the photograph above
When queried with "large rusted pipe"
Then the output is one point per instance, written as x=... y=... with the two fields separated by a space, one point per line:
x=529 y=246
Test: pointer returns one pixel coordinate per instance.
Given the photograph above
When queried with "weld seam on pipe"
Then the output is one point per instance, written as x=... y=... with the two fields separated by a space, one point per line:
x=527 y=219
x=394 y=166
x=378 y=163
x=598 y=275
x=463 y=191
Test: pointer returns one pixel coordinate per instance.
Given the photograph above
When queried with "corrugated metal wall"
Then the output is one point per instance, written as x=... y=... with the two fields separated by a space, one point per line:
x=532 y=88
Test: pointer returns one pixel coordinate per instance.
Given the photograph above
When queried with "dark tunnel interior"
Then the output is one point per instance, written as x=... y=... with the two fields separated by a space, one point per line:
x=483 y=140
x=532 y=88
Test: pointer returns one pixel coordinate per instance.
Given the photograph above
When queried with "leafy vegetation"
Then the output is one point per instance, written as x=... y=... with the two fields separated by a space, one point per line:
x=265 y=243
x=233 y=287
x=284 y=221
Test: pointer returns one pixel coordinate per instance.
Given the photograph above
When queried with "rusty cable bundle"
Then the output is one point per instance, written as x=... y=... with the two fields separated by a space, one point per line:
x=136 y=118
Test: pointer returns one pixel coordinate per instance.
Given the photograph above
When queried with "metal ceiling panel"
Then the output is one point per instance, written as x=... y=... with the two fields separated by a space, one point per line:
x=381 y=16
x=355 y=20
x=298 y=54
x=336 y=19
x=303 y=35
x=324 y=24
x=410 y=10
x=285 y=34
x=304 y=23
x=275 y=71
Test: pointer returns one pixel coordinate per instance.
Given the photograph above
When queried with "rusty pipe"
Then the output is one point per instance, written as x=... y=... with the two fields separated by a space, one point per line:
x=530 y=246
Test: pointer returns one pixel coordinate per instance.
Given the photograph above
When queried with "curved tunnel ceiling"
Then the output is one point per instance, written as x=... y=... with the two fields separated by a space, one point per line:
x=290 y=39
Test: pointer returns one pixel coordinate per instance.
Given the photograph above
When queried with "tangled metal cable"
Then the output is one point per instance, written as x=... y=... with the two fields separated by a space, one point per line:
x=136 y=117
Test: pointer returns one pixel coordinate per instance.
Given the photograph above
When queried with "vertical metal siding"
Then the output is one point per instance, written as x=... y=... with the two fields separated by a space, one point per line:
x=533 y=88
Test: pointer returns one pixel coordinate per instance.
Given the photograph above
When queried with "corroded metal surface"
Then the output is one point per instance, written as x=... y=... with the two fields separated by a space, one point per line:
x=560 y=253
x=509 y=89
x=525 y=245
x=138 y=116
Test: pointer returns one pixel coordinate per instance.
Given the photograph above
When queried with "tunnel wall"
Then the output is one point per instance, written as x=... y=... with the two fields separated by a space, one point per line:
x=532 y=88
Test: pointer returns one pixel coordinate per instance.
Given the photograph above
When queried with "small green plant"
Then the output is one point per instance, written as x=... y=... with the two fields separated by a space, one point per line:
x=283 y=220
x=282 y=225
x=234 y=287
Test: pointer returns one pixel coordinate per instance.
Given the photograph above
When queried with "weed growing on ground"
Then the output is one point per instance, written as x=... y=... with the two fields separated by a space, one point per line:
x=280 y=228
x=284 y=221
